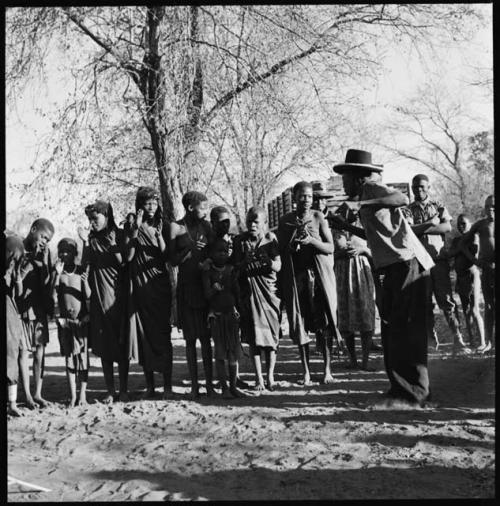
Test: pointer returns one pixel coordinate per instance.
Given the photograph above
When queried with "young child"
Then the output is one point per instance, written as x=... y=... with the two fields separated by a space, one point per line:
x=35 y=303
x=307 y=278
x=187 y=249
x=256 y=255
x=72 y=290
x=220 y=220
x=151 y=296
x=485 y=230
x=103 y=251
x=355 y=289
x=221 y=290
x=16 y=339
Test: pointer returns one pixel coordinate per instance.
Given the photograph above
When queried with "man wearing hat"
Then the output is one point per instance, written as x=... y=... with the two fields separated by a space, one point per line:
x=400 y=257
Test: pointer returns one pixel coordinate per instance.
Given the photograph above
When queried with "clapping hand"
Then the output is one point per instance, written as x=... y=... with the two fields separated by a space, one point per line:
x=83 y=233
x=138 y=219
x=159 y=228
x=59 y=266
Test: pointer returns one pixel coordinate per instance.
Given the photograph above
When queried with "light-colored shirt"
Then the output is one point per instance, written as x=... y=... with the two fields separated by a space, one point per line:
x=389 y=236
x=425 y=210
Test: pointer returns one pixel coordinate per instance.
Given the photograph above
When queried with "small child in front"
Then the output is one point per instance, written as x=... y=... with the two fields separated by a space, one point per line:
x=256 y=255
x=72 y=290
x=221 y=290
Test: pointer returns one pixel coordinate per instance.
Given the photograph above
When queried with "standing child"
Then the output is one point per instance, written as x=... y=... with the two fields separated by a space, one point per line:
x=220 y=220
x=104 y=247
x=221 y=290
x=35 y=303
x=256 y=255
x=485 y=230
x=150 y=297
x=16 y=335
x=72 y=290
x=308 y=281
x=188 y=240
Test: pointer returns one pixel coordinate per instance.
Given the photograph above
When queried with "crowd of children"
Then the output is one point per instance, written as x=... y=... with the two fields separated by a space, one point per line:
x=233 y=289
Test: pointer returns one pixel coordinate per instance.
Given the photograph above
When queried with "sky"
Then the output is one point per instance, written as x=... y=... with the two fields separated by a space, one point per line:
x=26 y=128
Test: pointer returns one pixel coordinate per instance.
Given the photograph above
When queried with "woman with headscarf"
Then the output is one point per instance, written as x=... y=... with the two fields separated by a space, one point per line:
x=150 y=304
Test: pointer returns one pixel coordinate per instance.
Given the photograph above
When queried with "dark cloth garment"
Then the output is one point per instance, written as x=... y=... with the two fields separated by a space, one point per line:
x=107 y=284
x=37 y=333
x=224 y=329
x=260 y=306
x=404 y=329
x=72 y=334
x=461 y=262
x=223 y=322
x=35 y=302
x=192 y=307
x=15 y=339
x=301 y=271
x=149 y=304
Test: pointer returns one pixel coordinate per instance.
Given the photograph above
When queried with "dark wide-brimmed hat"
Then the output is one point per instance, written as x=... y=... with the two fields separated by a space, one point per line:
x=321 y=191
x=357 y=159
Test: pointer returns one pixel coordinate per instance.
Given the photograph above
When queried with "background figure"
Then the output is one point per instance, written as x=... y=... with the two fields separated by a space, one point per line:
x=405 y=263
x=256 y=255
x=35 y=303
x=221 y=290
x=187 y=244
x=355 y=289
x=105 y=245
x=468 y=280
x=485 y=230
x=308 y=285
x=16 y=339
x=72 y=290
x=149 y=304
x=430 y=221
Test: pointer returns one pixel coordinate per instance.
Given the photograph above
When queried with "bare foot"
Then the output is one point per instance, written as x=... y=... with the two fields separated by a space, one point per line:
x=71 y=403
x=82 y=401
x=226 y=394
x=242 y=384
x=169 y=394
x=12 y=410
x=270 y=385
x=123 y=397
x=484 y=348
x=30 y=403
x=307 y=379
x=41 y=402
x=109 y=399
x=259 y=386
x=236 y=393
x=211 y=392
x=328 y=379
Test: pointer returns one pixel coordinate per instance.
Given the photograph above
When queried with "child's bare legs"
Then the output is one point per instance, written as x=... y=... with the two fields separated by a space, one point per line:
x=304 y=359
x=83 y=377
x=12 y=394
x=123 y=377
x=239 y=382
x=38 y=363
x=24 y=372
x=107 y=370
x=270 y=363
x=150 y=384
x=233 y=379
x=71 y=375
x=206 y=355
x=192 y=367
x=366 y=344
x=259 y=379
x=326 y=344
x=351 y=349
x=487 y=284
x=220 y=367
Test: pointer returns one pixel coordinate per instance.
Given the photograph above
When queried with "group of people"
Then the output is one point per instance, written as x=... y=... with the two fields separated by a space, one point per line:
x=118 y=300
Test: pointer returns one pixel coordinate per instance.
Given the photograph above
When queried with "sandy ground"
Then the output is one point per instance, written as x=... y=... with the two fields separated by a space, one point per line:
x=320 y=442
